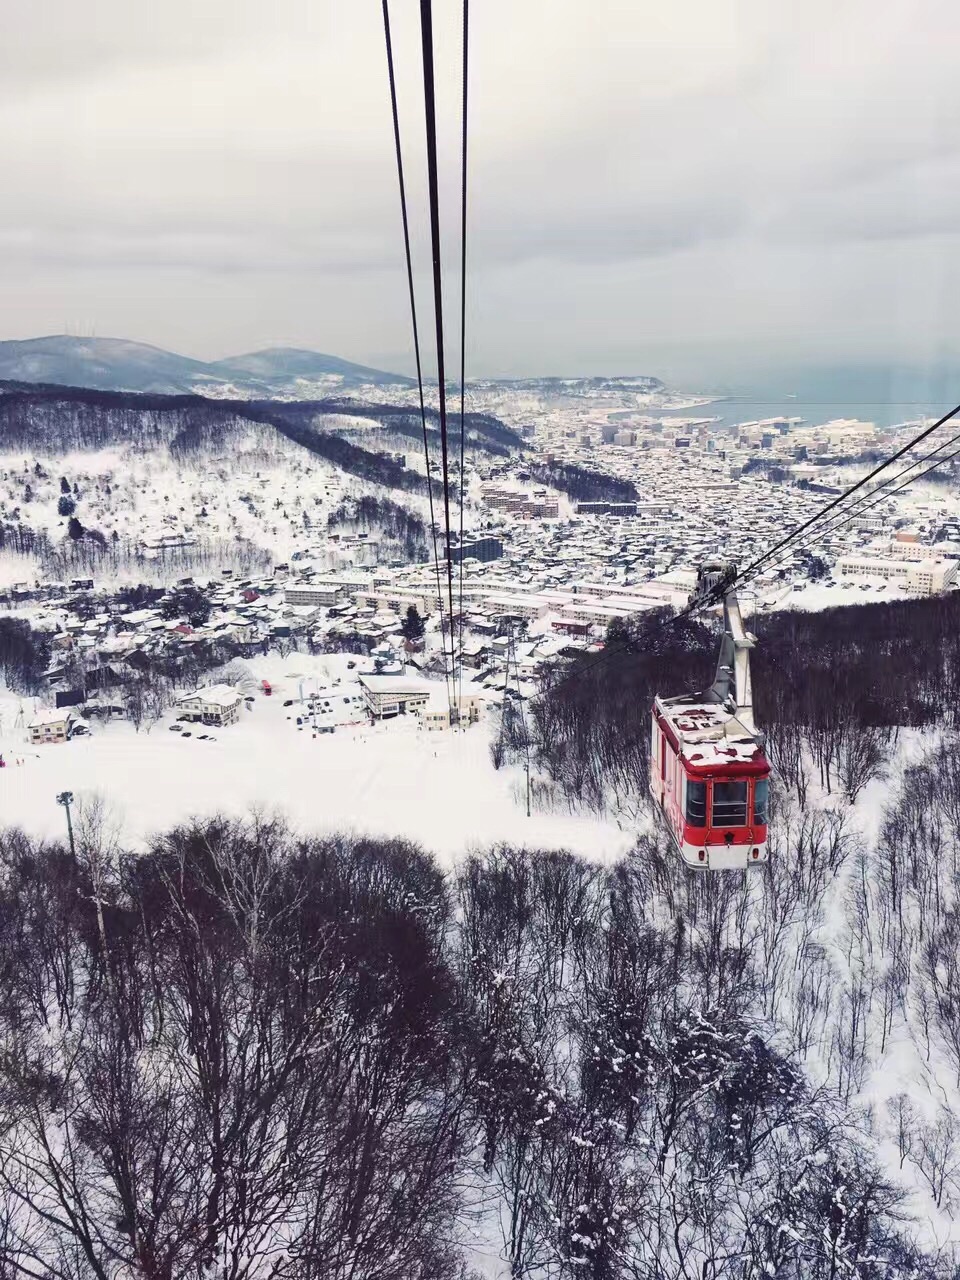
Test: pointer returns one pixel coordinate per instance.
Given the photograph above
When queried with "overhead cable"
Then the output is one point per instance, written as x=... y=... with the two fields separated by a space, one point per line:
x=830 y=506
x=413 y=309
x=430 y=119
x=463 y=324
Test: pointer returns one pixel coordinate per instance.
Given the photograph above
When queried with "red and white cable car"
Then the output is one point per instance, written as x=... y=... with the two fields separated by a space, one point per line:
x=708 y=771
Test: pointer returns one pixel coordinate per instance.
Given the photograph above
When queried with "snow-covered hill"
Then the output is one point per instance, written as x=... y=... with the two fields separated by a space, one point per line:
x=118 y=364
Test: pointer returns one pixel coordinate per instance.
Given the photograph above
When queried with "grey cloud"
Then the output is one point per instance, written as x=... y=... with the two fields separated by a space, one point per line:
x=716 y=175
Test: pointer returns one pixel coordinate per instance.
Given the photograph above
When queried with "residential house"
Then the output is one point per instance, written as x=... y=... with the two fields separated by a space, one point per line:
x=436 y=715
x=51 y=724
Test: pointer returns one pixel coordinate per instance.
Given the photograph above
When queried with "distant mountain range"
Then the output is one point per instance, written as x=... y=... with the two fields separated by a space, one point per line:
x=114 y=364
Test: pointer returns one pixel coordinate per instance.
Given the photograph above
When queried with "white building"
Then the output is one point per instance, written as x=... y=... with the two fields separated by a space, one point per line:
x=387 y=696
x=530 y=607
x=900 y=550
x=927 y=577
x=216 y=704
x=436 y=715
x=323 y=595
x=397 y=599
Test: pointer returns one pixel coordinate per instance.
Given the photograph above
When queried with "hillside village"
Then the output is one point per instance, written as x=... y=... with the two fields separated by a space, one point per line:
x=541 y=573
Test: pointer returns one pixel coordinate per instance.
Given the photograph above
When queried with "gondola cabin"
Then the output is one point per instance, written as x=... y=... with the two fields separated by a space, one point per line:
x=709 y=775
x=710 y=778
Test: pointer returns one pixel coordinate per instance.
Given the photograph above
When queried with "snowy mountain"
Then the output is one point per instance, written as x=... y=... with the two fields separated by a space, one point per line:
x=114 y=364
x=280 y=367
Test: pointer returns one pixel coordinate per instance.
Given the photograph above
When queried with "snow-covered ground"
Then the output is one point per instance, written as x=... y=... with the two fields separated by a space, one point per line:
x=392 y=779
x=829 y=592
x=263 y=490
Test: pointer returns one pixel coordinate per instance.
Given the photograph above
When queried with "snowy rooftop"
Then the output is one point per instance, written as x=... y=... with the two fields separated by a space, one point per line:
x=221 y=695
x=395 y=684
x=51 y=715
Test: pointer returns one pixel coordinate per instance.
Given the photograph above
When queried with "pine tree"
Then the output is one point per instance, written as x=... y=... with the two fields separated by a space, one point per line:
x=413 y=625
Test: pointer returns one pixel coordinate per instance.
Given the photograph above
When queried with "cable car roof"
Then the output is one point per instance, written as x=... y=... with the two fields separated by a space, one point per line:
x=708 y=736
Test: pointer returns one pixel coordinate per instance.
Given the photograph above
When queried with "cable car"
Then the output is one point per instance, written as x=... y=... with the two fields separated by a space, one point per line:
x=709 y=775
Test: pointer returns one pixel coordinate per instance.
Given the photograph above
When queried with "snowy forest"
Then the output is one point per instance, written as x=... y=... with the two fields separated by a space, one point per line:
x=834 y=691
x=400 y=529
x=65 y=418
x=583 y=484
x=246 y=1054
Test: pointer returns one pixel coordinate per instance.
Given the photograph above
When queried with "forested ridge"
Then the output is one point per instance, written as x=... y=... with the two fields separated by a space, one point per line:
x=62 y=418
x=583 y=484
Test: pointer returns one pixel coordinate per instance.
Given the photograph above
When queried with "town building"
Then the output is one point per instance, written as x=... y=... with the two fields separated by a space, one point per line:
x=318 y=594
x=387 y=696
x=606 y=508
x=483 y=549
x=927 y=577
x=435 y=716
x=214 y=704
x=51 y=724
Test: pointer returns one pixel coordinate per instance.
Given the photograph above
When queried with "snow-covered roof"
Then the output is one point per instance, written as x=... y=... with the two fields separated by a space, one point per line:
x=51 y=715
x=396 y=684
x=221 y=695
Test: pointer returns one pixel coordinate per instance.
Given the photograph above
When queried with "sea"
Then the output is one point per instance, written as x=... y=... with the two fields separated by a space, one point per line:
x=815 y=412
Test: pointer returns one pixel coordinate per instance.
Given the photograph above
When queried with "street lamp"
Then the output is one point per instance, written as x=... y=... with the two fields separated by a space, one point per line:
x=66 y=799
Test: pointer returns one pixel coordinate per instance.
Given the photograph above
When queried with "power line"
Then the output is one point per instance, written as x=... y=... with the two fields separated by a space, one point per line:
x=879 y=497
x=430 y=118
x=413 y=309
x=751 y=570
x=830 y=506
x=863 y=503
x=463 y=322
x=505 y=706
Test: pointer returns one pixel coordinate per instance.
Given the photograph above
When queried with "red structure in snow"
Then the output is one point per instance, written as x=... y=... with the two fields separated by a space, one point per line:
x=708 y=771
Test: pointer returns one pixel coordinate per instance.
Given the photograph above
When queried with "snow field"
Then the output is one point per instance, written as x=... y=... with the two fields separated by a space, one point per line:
x=392 y=779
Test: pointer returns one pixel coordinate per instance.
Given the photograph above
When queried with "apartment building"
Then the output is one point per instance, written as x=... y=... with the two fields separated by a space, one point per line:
x=927 y=577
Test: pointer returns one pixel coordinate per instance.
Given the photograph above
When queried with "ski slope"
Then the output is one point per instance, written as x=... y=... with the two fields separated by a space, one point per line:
x=389 y=779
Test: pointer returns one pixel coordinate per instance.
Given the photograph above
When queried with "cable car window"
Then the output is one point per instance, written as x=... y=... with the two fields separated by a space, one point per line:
x=697 y=803
x=729 y=804
x=761 y=793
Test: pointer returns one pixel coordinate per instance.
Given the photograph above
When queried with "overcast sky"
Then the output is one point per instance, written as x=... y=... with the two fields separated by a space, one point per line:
x=700 y=188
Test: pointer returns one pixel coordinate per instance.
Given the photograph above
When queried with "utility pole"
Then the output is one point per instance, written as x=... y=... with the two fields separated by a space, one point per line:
x=65 y=798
